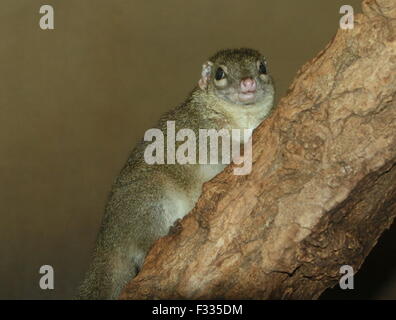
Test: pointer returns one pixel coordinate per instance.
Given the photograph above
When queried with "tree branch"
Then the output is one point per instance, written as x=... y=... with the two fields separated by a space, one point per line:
x=322 y=189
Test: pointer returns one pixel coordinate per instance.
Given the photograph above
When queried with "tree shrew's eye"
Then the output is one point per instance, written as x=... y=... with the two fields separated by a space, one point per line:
x=262 y=68
x=220 y=74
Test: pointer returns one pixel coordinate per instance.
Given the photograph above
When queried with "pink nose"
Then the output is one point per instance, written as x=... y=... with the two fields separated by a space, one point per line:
x=248 y=85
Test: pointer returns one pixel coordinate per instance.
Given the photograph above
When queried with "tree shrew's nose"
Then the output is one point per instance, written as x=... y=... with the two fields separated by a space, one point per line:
x=248 y=85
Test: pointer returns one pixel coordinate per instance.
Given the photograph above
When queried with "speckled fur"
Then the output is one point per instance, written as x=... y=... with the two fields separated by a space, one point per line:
x=146 y=200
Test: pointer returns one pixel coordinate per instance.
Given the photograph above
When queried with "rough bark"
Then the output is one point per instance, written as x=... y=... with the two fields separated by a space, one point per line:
x=322 y=189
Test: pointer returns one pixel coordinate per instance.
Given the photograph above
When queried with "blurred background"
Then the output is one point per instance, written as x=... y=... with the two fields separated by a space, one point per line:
x=75 y=100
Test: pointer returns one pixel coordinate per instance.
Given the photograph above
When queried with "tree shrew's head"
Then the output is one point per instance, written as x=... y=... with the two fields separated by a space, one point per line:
x=238 y=76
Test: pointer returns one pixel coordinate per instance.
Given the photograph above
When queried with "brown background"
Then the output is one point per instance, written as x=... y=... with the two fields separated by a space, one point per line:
x=74 y=100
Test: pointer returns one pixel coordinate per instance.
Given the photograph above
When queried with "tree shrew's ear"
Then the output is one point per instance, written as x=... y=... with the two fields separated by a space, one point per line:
x=205 y=75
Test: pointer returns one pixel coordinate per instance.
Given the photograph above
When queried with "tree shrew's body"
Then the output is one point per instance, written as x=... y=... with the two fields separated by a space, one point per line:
x=234 y=92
